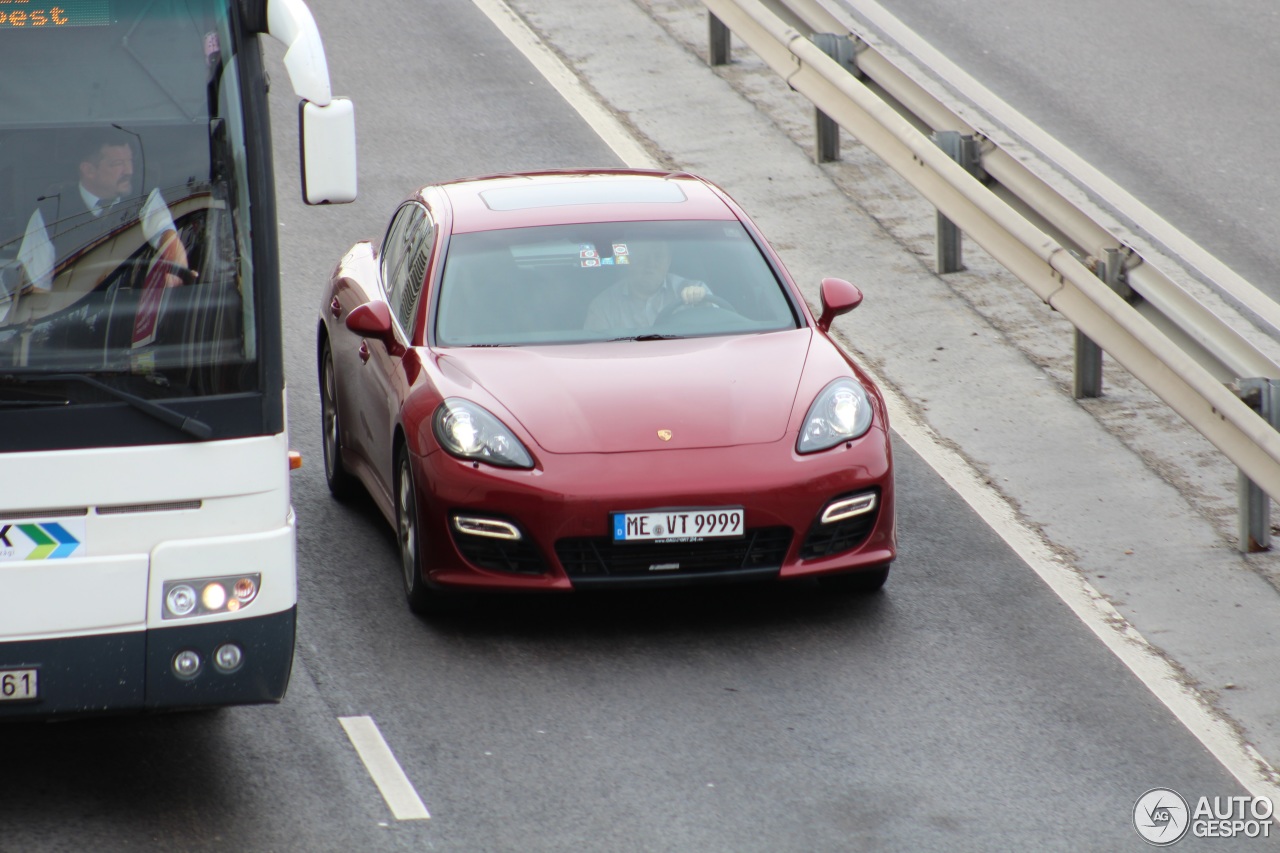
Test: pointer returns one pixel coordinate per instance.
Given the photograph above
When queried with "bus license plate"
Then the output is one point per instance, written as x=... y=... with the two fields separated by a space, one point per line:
x=678 y=525
x=19 y=684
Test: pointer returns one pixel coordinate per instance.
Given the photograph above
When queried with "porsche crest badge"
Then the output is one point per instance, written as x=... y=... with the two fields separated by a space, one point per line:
x=664 y=434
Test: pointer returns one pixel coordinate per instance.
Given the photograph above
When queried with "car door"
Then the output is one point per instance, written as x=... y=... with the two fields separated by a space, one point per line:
x=375 y=362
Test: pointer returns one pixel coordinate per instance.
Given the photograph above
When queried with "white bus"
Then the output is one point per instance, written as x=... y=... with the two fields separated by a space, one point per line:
x=146 y=533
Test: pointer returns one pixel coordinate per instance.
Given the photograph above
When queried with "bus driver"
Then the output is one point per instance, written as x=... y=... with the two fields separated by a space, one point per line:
x=90 y=208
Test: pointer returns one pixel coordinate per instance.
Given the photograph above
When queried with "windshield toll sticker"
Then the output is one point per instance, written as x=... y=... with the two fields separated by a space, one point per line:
x=620 y=254
x=589 y=256
x=41 y=540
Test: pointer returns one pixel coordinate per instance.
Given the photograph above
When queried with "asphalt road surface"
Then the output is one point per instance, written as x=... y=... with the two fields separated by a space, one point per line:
x=965 y=708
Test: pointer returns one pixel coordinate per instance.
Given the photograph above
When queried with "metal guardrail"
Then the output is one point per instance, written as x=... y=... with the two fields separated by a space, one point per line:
x=1118 y=299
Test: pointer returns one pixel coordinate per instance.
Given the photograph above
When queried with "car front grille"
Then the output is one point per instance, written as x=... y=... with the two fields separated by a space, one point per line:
x=600 y=557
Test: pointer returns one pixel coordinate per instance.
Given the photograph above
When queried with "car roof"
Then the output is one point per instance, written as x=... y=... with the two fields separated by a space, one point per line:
x=571 y=196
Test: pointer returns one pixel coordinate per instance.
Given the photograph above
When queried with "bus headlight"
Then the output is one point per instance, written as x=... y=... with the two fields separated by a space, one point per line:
x=179 y=600
x=203 y=596
x=246 y=590
x=213 y=597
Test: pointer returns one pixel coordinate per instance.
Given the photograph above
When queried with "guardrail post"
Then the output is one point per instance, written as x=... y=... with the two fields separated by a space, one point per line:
x=1088 y=369
x=826 y=133
x=964 y=150
x=1088 y=372
x=1254 y=516
x=718 y=41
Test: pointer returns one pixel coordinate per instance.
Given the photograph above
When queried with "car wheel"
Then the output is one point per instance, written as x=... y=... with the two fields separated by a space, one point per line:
x=342 y=485
x=862 y=582
x=421 y=598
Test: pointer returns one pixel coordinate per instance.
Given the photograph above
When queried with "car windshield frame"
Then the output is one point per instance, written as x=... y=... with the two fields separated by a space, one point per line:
x=607 y=281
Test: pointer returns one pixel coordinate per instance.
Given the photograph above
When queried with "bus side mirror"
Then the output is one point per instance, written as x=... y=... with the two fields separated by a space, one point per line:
x=327 y=125
x=838 y=297
x=328 y=140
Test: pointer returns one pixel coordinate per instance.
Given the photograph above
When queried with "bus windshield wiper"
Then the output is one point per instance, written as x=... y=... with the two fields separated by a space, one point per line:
x=191 y=426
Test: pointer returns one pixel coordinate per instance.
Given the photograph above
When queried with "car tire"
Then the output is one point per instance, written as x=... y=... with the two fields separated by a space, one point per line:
x=421 y=598
x=342 y=484
x=863 y=582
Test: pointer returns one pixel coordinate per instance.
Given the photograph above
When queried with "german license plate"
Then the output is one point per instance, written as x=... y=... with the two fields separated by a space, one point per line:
x=678 y=525
x=19 y=684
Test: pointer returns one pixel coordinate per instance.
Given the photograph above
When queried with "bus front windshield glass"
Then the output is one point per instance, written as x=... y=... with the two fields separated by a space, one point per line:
x=123 y=198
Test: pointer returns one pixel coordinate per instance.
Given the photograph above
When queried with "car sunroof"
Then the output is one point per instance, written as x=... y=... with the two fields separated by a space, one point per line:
x=583 y=192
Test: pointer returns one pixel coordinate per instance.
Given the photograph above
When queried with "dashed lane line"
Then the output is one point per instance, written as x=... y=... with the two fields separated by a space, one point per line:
x=388 y=775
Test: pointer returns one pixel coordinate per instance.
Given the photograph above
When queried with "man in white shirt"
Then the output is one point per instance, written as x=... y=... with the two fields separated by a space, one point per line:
x=104 y=189
x=649 y=289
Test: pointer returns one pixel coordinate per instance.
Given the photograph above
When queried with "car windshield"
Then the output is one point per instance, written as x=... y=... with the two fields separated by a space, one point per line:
x=607 y=281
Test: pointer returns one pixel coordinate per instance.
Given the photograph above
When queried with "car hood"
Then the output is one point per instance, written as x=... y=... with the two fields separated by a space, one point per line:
x=626 y=395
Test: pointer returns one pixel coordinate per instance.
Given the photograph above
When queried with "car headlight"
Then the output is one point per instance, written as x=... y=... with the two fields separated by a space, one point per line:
x=840 y=413
x=470 y=432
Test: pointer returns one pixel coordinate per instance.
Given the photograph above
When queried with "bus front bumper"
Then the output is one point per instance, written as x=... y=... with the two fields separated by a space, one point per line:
x=140 y=671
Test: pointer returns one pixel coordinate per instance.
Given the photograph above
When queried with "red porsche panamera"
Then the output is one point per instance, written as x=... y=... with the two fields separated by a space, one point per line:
x=571 y=380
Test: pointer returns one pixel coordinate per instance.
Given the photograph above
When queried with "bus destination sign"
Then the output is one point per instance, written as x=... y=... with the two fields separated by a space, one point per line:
x=53 y=14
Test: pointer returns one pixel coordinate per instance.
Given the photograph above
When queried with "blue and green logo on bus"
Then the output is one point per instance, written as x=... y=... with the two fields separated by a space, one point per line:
x=40 y=540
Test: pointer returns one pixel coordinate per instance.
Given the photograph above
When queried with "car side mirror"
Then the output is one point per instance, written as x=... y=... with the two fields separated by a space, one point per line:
x=372 y=320
x=838 y=297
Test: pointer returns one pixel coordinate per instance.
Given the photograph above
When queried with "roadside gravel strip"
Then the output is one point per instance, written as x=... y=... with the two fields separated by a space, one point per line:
x=1125 y=511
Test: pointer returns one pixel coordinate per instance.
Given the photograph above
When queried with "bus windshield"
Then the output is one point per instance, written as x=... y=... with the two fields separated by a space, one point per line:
x=124 y=202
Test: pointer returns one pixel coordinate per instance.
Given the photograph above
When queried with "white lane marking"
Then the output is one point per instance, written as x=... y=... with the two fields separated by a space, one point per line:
x=1155 y=671
x=1144 y=660
x=387 y=774
x=597 y=115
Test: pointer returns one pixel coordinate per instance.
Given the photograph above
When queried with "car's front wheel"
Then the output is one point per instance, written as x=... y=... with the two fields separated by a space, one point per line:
x=421 y=598
x=342 y=485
